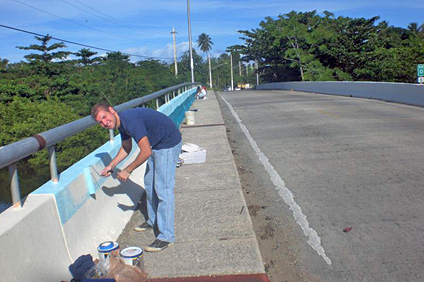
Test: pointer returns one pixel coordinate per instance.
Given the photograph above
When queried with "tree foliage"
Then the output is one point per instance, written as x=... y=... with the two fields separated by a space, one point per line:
x=85 y=55
x=46 y=55
x=204 y=42
x=307 y=46
x=50 y=89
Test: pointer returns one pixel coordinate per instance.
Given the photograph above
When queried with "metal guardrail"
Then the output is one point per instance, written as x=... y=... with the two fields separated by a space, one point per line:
x=12 y=153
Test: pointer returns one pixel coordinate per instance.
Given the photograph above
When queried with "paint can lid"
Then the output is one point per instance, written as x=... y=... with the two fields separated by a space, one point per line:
x=131 y=252
x=108 y=246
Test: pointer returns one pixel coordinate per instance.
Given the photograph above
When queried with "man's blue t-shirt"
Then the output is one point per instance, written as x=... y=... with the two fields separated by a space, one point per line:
x=159 y=128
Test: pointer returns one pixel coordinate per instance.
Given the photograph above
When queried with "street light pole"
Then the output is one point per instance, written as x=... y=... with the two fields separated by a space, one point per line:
x=189 y=42
x=210 y=71
x=231 y=64
x=175 y=51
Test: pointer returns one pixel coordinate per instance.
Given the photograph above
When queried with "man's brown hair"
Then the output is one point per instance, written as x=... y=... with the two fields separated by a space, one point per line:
x=99 y=107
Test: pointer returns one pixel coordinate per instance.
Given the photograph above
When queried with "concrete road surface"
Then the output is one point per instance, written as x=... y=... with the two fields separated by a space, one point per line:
x=339 y=162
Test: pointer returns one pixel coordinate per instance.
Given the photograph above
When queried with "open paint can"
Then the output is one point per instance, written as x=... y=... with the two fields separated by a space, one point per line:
x=133 y=256
x=106 y=248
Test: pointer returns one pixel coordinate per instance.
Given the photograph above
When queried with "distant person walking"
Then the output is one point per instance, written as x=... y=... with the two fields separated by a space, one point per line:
x=159 y=141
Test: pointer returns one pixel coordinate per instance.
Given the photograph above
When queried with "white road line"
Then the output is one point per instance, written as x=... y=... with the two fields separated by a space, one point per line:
x=314 y=240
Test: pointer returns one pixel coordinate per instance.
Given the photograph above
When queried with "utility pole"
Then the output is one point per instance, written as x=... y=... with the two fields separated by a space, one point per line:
x=189 y=42
x=247 y=70
x=231 y=65
x=175 y=52
x=210 y=71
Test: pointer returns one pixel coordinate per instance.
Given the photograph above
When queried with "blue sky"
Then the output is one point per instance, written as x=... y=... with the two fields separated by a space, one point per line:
x=143 y=27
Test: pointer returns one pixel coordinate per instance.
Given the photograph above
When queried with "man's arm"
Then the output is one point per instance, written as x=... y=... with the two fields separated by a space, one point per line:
x=143 y=155
x=122 y=154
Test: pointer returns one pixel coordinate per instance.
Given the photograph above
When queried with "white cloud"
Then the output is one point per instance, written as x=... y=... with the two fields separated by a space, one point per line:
x=165 y=54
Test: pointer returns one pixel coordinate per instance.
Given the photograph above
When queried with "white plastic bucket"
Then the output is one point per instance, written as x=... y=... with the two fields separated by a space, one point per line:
x=189 y=115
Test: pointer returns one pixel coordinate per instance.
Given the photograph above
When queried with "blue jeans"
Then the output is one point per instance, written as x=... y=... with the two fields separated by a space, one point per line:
x=159 y=182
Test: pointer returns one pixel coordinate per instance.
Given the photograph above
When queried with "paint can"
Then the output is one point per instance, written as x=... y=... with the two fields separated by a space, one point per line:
x=133 y=256
x=106 y=248
x=189 y=115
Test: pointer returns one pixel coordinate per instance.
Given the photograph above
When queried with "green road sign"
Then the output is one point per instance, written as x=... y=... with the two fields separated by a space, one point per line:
x=420 y=70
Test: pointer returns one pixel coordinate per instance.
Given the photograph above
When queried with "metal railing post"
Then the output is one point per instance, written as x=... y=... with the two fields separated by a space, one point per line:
x=157 y=103
x=14 y=186
x=173 y=94
x=53 y=165
x=111 y=135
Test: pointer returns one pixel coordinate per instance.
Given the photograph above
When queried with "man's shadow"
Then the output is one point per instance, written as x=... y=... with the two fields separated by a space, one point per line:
x=129 y=187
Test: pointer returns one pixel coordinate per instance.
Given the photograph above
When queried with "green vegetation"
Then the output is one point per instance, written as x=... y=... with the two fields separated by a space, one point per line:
x=309 y=47
x=48 y=90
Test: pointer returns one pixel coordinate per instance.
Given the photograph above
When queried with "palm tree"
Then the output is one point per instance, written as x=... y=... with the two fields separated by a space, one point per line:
x=414 y=27
x=205 y=44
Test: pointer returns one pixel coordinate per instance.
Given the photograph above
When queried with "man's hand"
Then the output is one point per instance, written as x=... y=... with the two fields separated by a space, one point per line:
x=107 y=171
x=123 y=175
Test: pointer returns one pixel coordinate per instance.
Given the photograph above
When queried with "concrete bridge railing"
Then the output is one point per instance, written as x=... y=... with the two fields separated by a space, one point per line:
x=65 y=219
x=411 y=94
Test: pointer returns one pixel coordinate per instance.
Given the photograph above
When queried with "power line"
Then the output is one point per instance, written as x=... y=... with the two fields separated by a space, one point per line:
x=51 y=14
x=183 y=41
x=115 y=20
x=178 y=36
x=88 y=12
x=80 y=44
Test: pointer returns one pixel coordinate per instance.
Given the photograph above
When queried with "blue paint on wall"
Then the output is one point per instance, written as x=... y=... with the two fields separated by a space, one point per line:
x=69 y=200
x=178 y=114
x=177 y=107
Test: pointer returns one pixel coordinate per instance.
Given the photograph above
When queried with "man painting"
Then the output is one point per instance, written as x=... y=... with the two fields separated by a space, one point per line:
x=159 y=141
